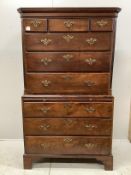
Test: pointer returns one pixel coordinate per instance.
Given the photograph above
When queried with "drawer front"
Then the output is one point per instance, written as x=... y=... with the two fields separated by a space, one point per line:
x=69 y=83
x=68 y=41
x=68 y=145
x=102 y=24
x=35 y=25
x=68 y=109
x=57 y=25
x=67 y=126
x=68 y=61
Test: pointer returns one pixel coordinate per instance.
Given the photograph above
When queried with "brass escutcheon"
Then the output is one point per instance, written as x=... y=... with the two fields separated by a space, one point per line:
x=102 y=23
x=91 y=41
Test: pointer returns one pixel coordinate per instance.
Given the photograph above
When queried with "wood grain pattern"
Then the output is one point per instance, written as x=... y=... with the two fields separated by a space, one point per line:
x=67 y=126
x=68 y=24
x=68 y=145
x=68 y=61
x=68 y=109
x=102 y=24
x=77 y=42
x=69 y=83
x=35 y=25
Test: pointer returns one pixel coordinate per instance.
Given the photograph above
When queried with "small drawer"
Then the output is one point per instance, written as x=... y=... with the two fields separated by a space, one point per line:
x=68 y=61
x=35 y=25
x=68 y=145
x=68 y=41
x=68 y=109
x=67 y=83
x=69 y=25
x=67 y=126
x=102 y=24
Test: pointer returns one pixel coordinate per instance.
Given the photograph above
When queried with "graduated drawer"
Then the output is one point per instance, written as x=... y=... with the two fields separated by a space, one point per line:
x=68 y=41
x=102 y=24
x=67 y=126
x=57 y=25
x=68 y=61
x=68 y=109
x=67 y=145
x=34 y=25
x=68 y=83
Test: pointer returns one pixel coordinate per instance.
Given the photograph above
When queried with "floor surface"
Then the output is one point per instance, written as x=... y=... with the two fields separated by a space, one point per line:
x=11 y=162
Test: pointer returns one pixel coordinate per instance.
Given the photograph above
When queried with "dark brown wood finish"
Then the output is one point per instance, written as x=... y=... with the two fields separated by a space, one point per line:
x=67 y=126
x=68 y=145
x=68 y=109
x=68 y=41
x=68 y=61
x=67 y=104
x=70 y=83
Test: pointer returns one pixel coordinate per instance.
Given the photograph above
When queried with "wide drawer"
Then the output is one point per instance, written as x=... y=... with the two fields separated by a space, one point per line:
x=68 y=24
x=102 y=24
x=35 y=25
x=68 y=61
x=68 y=109
x=67 y=126
x=69 y=83
x=67 y=145
x=68 y=41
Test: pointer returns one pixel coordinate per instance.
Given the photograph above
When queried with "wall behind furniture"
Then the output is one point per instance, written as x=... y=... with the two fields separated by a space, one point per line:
x=11 y=72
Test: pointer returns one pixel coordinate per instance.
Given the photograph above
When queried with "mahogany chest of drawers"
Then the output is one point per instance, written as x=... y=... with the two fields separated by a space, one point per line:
x=67 y=104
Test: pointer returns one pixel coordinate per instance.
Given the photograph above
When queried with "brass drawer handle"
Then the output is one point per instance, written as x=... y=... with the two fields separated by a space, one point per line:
x=90 y=145
x=68 y=121
x=45 y=109
x=68 y=38
x=67 y=140
x=90 y=109
x=46 y=61
x=43 y=145
x=67 y=77
x=102 y=23
x=36 y=23
x=90 y=61
x=67 y=57
x=45 y=127
x=45 y=83
x=67 y=107
x=45 y=41
x=89 y=83
x=91 y=41
x=90 y=126
x=68 y=24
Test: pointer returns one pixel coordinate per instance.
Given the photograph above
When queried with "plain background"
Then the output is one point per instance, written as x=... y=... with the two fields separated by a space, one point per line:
x=11 y=70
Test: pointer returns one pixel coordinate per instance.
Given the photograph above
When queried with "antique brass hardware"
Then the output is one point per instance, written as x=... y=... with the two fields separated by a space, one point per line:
x=66 y=77
x=90 y=126
x=45 y=109
x=102 y=23
x=45 y=41
x=90 y=61
x=90 y=109
x=67 y=57
x=67 y=140
x=91 y=41
x=90 y=145
x=68 y=38
x=68 y=121
x=89 y=83
x=36 y=23
x=44 y=127
x=68 y=24
x=45 y=83
x=46 y=61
